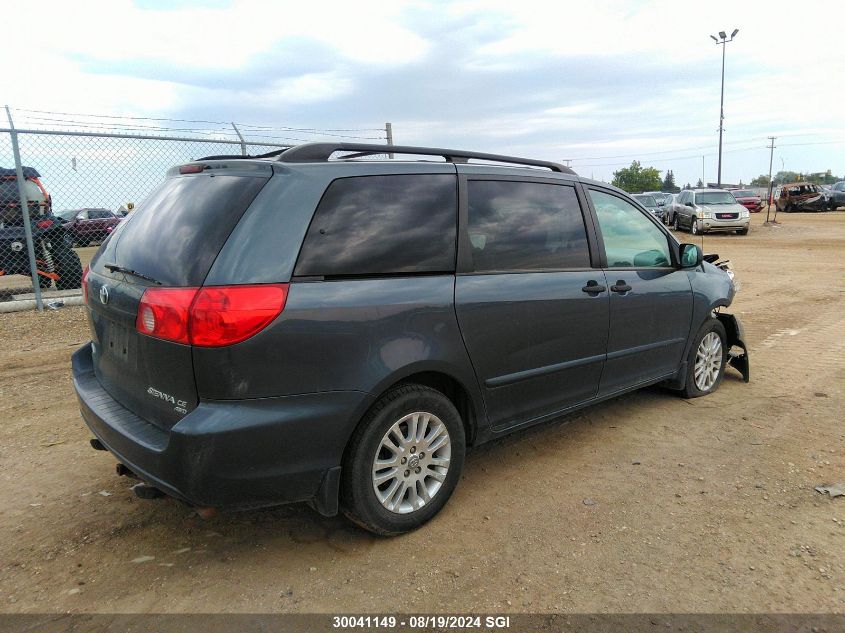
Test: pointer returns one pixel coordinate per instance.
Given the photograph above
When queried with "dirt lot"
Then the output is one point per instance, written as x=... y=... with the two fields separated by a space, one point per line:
x=704 y=505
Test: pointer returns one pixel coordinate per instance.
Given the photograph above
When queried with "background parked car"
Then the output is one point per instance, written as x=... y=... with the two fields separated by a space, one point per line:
x=836 y=196
x=670 y=208
x=650 y=203
x=89 y=225
x=801 y=196
x=748 y=199
x=660 y=196
x=707 y=210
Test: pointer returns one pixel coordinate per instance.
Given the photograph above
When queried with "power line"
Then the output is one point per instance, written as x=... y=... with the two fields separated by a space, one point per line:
x=730 y=151
x=666 y=151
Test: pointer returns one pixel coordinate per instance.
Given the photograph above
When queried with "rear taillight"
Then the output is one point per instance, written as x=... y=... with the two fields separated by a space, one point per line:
x=224 y=315
x=211 y=316
x=85 y=283
x=44 y=224
x=164 y=313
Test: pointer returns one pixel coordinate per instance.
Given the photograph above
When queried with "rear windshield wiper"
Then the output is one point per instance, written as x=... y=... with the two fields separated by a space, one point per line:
x=114 y=268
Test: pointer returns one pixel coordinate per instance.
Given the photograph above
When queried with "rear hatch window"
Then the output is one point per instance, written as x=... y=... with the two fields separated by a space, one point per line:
x=175 y=234
x=172 y=238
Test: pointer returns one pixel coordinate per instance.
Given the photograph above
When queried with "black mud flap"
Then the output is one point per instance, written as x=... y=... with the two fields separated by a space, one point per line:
x=326 y=501
x=736 y=338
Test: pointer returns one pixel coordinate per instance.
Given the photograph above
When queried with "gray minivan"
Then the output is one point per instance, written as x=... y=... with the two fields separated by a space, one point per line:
x=300 y=327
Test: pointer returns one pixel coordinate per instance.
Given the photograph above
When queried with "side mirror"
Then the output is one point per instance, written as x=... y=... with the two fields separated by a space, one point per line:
x=690 y=256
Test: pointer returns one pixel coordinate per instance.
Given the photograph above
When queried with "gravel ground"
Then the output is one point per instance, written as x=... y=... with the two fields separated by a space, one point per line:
x=644 y=503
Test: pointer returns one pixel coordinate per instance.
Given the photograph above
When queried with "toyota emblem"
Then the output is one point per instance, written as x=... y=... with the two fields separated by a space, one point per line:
x=104 y=294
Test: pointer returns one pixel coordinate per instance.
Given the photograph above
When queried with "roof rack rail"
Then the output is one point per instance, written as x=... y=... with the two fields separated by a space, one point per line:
x=320 y=152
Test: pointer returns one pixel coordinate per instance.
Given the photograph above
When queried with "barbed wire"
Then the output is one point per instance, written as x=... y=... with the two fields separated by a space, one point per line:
x=89 y=121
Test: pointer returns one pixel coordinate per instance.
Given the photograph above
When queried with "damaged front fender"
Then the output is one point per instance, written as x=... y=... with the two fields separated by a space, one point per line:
x=736 y=338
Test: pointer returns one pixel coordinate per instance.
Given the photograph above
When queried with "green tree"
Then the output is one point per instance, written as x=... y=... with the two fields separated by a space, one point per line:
x=699 y=184
x=669 y=185
x=760 y=181
x=637 y=178
x=786 y=176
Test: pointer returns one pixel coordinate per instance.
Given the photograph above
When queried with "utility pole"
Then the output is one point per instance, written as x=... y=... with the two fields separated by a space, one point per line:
x=723 y=40
x=388 y=132
x=771 y=157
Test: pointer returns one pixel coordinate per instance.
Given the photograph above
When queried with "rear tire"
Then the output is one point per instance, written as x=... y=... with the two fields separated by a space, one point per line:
x=403 y=461
x=67 y=265
x=706 y=360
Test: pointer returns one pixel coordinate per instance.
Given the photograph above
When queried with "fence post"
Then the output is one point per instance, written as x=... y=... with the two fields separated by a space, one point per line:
x=240 y=136
x=388 y=132
x=27 y=227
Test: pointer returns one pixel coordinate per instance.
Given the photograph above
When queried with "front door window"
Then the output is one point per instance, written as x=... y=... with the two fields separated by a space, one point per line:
x=631 y=240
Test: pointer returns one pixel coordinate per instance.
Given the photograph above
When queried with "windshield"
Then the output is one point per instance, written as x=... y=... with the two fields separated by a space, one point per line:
x=68 y=214
x=647 y=201
x=802 y=189
x=715 y=197
x=743 y=194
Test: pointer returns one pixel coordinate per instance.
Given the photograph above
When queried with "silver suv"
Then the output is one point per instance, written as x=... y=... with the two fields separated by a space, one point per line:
x=708 y=210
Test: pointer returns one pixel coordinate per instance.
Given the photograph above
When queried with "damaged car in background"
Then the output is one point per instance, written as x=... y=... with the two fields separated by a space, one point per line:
x=802 y=196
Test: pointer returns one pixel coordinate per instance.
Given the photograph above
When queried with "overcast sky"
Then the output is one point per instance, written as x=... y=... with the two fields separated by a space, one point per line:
x=600 y=83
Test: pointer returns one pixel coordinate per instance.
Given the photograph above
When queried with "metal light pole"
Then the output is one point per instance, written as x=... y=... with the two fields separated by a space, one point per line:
x=723 y=40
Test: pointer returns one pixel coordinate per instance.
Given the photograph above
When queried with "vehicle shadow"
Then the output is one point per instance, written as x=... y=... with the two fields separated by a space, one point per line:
x=297 y=533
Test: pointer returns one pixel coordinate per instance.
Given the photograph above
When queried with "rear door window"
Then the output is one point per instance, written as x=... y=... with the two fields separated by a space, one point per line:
x=175 y=234
x=517 y=225
x=383 y=225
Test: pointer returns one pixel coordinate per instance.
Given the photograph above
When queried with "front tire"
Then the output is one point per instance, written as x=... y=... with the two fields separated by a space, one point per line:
x=706 y=361
x=403 y=461
x=693 y=227
x=675 y=226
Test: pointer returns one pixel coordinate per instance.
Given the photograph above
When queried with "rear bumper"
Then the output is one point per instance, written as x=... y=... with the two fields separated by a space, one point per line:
x=227 y=454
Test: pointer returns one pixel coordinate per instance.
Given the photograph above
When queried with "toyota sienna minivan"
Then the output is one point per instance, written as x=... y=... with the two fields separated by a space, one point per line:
x=320 y=325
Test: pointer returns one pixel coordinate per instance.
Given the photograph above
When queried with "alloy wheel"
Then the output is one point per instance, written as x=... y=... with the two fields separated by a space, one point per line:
x=708 y=361
x=411 y=462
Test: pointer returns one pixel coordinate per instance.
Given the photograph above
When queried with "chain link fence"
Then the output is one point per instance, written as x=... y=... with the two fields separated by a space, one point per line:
x=80 y=182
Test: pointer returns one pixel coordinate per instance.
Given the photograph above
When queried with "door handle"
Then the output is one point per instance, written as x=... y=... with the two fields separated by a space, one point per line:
x=593 y=288
x=621 y=287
